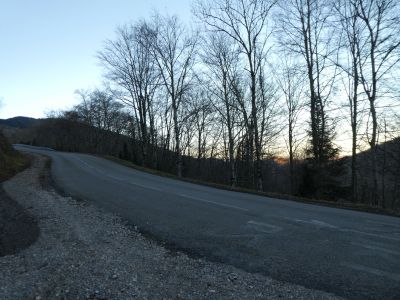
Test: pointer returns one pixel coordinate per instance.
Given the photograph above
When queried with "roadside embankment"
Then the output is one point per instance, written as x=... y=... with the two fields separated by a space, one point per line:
x=11 y=161
x=18 y=228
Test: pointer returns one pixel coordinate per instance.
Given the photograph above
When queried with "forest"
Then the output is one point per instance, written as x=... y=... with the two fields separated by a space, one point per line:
x=291 y=96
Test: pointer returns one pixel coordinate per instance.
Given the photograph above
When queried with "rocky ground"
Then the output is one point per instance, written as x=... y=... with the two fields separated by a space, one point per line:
x=83 y=252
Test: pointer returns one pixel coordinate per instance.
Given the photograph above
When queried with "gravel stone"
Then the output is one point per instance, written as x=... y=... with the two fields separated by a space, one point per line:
x=83 y=252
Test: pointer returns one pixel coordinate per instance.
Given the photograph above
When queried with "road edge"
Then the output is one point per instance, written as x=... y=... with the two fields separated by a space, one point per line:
x=341 y=205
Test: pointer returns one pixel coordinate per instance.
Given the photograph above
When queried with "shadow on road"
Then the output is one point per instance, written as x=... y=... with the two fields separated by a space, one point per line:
x=18 y=228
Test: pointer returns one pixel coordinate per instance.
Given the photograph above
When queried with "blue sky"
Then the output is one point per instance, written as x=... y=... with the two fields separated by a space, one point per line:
x=48 y=47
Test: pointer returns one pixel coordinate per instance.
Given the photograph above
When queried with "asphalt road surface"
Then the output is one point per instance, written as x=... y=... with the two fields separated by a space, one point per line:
x=351 y=254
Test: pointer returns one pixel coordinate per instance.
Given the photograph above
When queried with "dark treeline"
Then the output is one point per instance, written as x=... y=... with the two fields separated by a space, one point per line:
x=71 y=131
x=261 y=79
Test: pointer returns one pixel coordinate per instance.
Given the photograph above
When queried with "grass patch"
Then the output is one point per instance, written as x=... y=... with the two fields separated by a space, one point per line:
x=344 y=205
x=11 y=161
x=12 y=164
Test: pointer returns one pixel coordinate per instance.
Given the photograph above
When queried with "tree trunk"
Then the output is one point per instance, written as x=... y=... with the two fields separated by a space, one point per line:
x=177 y=139
x=230 y=133
x=259 y=181
x=291 y=166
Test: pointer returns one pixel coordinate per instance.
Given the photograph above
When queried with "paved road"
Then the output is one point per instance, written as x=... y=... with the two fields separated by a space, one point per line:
x=349 y=253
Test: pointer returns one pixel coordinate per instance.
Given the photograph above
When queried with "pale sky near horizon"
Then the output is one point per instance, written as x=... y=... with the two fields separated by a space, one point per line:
x=48 y=48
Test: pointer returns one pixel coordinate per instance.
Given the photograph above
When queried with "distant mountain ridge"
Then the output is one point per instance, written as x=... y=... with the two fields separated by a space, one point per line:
x=19 y=122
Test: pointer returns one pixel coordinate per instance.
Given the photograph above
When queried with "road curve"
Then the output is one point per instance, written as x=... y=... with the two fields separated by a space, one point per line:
x=349 y=253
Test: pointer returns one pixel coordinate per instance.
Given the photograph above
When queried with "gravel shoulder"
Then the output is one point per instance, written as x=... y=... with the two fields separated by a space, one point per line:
x=83 y=252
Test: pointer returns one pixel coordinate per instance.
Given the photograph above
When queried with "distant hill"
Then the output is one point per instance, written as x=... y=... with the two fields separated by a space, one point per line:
x=388 y=174
x=19 y=122
x=389 y=148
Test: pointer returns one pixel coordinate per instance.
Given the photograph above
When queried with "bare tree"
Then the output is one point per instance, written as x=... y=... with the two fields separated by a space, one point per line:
x=174 y=50
x=269 y=113
x=86 y=107
x=378 y=53
x=348 y=41
x=131 y=66
x=103 y=114
x=291 y=82
x=221 y=59
x=306 y=31
x=201 y=110
x=245 y=22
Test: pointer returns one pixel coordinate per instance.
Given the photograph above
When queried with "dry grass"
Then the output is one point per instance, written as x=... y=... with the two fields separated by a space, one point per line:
x=11 y=161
